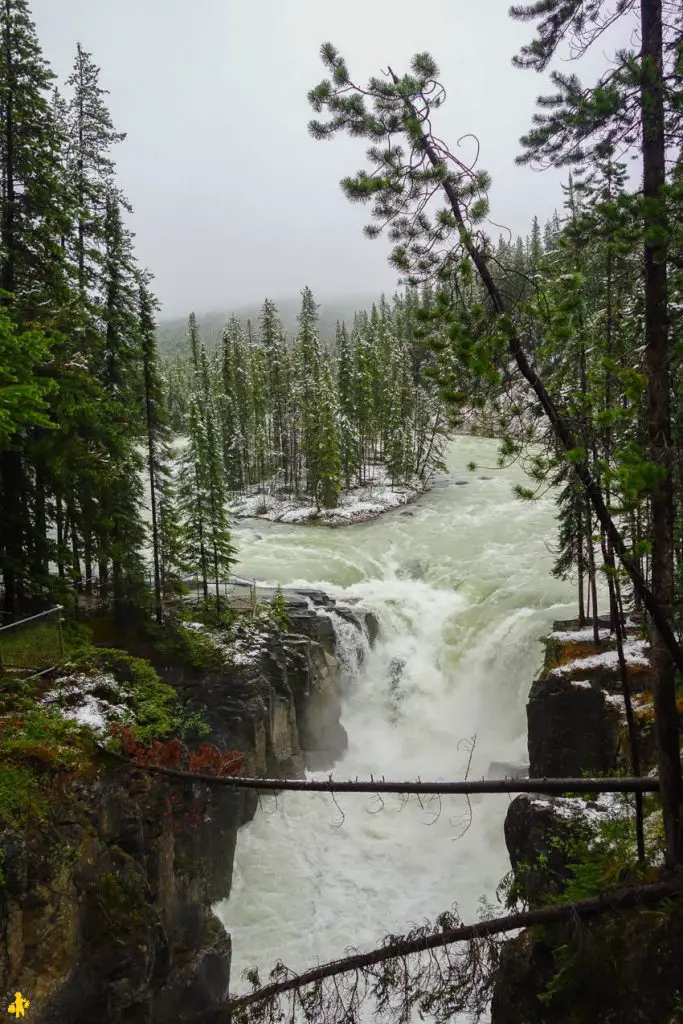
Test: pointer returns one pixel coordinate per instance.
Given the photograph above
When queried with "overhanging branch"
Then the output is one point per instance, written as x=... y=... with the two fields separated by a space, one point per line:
x=468 y=787
x=618 y=900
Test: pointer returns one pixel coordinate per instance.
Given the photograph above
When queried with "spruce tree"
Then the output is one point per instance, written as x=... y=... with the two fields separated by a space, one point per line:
x=347 y=412
x=34 y=284
x=165 y=537
x=272 y=341
x=328 y=456
x=90 y=167
x=119 y=526
x=308 y=371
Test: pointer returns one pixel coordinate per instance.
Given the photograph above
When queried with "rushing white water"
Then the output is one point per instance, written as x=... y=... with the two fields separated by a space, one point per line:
x=463 y=591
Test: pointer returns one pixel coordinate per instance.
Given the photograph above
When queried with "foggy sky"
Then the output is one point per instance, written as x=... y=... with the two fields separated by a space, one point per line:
x=233 y=200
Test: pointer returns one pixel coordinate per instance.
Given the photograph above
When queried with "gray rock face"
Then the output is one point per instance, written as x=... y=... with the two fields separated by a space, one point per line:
x=571 y=730
x=538 y=838
x=122 y=930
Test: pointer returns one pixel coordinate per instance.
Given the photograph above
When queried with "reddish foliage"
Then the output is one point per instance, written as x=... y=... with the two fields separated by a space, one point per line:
x=205 y=760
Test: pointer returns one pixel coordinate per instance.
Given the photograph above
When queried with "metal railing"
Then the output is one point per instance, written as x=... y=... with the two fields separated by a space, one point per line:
x=32 y=645
x=226 y=587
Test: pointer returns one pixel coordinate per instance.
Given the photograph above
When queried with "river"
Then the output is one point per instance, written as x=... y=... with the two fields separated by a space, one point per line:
x=463 y=591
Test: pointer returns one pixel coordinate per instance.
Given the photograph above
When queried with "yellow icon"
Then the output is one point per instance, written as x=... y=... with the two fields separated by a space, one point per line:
x=20 y=1005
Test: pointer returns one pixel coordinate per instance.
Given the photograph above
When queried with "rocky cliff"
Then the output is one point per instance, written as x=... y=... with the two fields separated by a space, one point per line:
x=105 y=899
x=622 y=969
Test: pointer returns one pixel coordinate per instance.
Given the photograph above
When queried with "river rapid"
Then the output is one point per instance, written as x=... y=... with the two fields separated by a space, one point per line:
x=462 y=589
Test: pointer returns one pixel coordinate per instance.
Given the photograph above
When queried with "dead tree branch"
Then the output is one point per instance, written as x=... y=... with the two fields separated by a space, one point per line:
x=552 y=787
x=617 y=900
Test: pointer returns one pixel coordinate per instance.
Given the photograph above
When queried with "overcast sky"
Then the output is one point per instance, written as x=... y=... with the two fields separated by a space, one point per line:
x=233 y=200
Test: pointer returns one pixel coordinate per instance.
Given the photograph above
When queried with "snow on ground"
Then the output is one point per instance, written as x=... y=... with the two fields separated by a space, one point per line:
x=74 y=698
x=583 y=636
x=635 y=653
x=638 y=703
x=246 y=647
x=357 y=505
x=597 y=809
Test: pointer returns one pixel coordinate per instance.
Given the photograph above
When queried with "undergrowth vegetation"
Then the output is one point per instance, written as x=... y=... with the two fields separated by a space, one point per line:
x=48 y=724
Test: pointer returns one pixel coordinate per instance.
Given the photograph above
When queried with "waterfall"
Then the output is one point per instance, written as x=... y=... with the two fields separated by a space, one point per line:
x=462 y=592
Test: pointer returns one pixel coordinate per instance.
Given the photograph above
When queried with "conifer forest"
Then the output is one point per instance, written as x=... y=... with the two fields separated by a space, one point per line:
x=131 y=455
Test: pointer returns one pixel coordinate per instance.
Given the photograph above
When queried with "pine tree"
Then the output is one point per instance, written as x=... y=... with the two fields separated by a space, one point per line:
x=272 y=342
x=164 y=523
x=308 y=370
x=33 y=277
x=119 y=526
x=347 y=411
x=90 y=168
x=580 y=124
x=328 y=456
x=395 y=114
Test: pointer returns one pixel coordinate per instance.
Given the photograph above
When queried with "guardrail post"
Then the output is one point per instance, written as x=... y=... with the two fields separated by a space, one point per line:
x=60 y=633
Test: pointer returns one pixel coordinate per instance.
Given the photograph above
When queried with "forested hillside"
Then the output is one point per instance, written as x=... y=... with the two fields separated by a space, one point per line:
x=172 y=331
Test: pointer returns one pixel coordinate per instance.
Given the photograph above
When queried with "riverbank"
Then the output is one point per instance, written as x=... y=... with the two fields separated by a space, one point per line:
x=357 y=505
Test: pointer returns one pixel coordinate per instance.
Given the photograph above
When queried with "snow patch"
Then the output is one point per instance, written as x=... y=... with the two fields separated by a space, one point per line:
x=247 y=647
x=579 y=635
x=356 y=505
x=636 y=652
x=603 y=805
x=75 y=700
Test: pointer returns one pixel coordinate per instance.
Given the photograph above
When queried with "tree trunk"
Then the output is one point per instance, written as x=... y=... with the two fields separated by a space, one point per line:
x=11 y=519
x=657 y=603
x=657 y=355
x=151 y=455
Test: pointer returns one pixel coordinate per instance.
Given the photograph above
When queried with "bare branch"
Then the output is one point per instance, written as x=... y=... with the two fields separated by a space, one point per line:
x=434 y=938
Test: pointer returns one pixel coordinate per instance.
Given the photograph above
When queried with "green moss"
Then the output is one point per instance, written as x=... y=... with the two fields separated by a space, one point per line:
x=122 y=896
x=21 y=800
x=192 y=648
x=36 y=744
x=32 y=647
x=149 y=702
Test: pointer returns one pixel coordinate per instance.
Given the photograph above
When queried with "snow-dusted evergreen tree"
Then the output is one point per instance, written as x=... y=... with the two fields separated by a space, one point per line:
x=164 y=520
x=227 y=413
x=364 y=394
x=261 y=445
x=243 y=400
x=273 y=346
x=366 y=391
x=348 y=436
x=328 y=467
x=207 y=545
x=307 y=374
x=193 y=337
x=192 y=495
x=214 y=492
